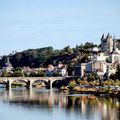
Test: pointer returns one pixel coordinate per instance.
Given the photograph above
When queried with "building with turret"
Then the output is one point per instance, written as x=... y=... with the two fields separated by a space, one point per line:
x=106 y=61
x=107 y=43
x=115 y=55
x=7 y=66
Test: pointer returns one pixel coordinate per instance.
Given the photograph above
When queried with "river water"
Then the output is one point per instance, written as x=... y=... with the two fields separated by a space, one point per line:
x=43 y=104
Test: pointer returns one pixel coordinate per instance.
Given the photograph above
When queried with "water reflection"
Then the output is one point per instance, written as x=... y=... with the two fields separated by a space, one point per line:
x=83 y=107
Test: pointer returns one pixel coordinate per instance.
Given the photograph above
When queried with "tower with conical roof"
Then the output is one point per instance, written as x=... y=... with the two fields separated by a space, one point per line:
x=107 y=43
x=103 y=37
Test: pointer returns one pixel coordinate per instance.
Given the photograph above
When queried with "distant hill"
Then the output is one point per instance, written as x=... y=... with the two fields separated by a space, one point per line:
x=44 y=56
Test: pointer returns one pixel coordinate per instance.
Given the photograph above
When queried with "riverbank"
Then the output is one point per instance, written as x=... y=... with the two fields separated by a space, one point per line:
x=96 y=90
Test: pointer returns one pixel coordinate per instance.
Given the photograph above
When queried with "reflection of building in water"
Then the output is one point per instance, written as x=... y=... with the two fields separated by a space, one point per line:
x=29 y=96
x=92 y=106
x=87 y=106
x=83 y=107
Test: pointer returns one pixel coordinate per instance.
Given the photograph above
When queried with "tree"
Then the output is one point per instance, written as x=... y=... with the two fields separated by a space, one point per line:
x=32 y=74
x=41 y=74
x=18 y=69
x=68 y=50
x=37 y=74
x=93 y=76
x=56 y=74
x=113 y=76
x=70 y=68
x=4 y=74
x=72 y=84
x=118 y=72
x=17 y=74
x=84 y=59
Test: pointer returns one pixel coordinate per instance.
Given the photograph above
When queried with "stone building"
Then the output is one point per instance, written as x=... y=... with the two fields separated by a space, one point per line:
x=107 y=43
x=115 y=55
x=7 y=66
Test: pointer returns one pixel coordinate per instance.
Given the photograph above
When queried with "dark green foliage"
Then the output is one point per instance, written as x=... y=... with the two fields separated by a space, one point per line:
x=5 y=74
x=78 y=80
x=38 y=74
x=35 y=58
x=93 y=76
x=18 y=69
x=113 y=76
x=17 y=74
x=70 y=68
x=32 y=57
x=56 y=74
x=84 y=59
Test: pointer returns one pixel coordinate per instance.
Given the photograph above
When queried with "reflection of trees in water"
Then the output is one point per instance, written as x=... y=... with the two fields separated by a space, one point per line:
x=82 y=105
x=119 y=113
x=88 y=106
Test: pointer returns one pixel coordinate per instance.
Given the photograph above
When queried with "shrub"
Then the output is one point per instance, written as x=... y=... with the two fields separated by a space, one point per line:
x=72 y=84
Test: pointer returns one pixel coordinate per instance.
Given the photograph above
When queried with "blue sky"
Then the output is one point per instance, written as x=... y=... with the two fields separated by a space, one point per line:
x=28 y=24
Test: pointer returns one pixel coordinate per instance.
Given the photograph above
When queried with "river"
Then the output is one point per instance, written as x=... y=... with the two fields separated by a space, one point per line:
x=43 y=104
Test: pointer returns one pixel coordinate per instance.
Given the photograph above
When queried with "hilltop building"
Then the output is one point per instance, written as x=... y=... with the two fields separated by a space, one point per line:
x=7 y=66
x=98 y=63
x=115 y=55
x=107 y=43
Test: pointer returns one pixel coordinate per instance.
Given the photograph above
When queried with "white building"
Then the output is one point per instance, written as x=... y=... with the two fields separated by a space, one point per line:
x=115 y=55
x=98 y=62
x=100 y=67
x=111 y=69
x=7 y=66
x=100 y=57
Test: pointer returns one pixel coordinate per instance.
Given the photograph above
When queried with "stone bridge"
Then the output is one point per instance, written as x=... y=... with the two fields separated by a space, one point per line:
x=30 y=80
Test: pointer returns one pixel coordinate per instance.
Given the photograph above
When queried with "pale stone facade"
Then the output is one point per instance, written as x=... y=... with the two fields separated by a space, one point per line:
x=7 y=66
x=107 y=43
x=100 y=57
x=98 y=61
x=99 y=66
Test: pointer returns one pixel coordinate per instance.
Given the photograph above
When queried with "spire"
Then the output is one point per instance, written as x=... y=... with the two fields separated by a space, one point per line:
x=114 y=37
x=103 y=37
x=114 y=44
x=108 y=36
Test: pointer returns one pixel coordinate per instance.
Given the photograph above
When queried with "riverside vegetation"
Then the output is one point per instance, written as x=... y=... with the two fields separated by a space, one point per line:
x=42 y=57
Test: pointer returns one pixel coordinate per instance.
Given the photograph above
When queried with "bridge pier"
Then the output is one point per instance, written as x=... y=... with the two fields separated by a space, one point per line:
x=9 y=94
x=49 y=84
x=29 y=84
x=29 y=81
x=8 y=84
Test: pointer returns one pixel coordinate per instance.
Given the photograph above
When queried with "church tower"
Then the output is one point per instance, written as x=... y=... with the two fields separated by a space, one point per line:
x=107 y=43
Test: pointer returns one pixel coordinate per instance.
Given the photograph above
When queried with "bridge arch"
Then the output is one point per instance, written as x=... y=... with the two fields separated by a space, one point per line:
x=49 y=81
x=19 y=82
x=3 y=83
x=58 y=83
x=3 y=80
x=39 y=82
